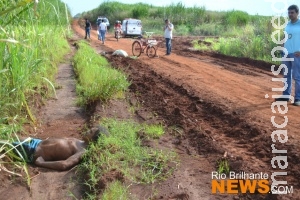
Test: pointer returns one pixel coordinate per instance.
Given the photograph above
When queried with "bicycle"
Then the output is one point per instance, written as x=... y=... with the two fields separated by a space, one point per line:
x=140 y=45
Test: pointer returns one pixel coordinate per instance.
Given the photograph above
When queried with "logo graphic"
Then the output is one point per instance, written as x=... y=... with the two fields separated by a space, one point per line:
x=242 y=183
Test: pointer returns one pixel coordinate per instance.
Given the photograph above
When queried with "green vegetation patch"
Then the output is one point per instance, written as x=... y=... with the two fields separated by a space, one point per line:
x=116 y=190
x=28 y=55
x=223 y=166
x=153 y=130
x=28 y=64
x=121 y=155
x=96 y=79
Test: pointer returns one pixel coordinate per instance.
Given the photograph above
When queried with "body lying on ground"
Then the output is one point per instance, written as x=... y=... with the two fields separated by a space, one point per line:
x=57 y=153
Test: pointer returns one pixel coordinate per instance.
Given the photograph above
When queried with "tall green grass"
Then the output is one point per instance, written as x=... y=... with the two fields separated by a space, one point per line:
x=96 y=79
x=122 y=151
x=111 y=9
x=28 y=55
x=32 y=43
x=242 y=42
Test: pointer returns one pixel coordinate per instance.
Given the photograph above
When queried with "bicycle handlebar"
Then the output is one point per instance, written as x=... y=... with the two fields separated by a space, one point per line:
x=149 y=34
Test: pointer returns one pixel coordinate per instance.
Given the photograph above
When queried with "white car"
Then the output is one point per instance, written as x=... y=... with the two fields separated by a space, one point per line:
x=99 y=20
x=132 y=27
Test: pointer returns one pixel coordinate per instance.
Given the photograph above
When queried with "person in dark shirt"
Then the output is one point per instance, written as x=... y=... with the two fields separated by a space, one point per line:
x=88 y=27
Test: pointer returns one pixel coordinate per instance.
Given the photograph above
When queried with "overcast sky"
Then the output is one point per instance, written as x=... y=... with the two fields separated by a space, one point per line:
x=261 y=7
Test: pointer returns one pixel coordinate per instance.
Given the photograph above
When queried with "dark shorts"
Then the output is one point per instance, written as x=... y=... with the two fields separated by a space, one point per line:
x=27 y=149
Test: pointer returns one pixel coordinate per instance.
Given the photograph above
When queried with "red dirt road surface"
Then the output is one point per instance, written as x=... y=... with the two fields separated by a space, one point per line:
x=211 y=105
x=221 y=103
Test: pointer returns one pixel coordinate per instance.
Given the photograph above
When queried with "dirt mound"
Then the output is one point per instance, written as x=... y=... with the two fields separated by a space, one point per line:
x=181 y=107
x=107 y=178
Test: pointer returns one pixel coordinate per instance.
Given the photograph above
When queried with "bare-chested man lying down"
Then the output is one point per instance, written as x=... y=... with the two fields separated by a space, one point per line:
x=58 y=153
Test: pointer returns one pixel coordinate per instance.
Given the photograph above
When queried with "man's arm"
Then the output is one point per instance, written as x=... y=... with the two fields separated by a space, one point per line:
x=62 y=164
x=170 y=27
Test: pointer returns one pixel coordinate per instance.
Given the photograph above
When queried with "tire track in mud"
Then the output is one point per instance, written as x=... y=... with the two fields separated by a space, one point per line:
x=203 y=121
x=260 y=143
x=179 y=107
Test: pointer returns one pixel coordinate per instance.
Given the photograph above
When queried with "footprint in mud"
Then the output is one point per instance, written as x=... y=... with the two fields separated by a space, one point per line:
x=182 y=196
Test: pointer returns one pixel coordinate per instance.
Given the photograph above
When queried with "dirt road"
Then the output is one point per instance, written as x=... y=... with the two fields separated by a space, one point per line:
x=209 y=103
x=59 y=117
x=221 y=104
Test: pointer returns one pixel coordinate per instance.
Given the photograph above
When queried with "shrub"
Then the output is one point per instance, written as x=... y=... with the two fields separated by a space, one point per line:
x=140 y=11
x=236 y=18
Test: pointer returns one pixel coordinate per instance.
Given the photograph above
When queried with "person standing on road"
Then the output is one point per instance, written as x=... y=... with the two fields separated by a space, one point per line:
x=88 y=27
x=102 y=30
x=98 y=21
x=168 y=28
x=98 y=27
x=292 y=45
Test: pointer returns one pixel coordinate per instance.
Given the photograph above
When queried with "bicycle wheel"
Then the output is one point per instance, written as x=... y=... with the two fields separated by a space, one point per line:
x=118 y=36
x=136 y=48
x=151 y=51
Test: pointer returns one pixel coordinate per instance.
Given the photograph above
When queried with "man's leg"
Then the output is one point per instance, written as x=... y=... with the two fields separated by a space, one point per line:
x=89 y=32
x=296 y=76
x=101 y=33
x=288 y=79
x=103 y=36
x=86 y=32
x=168 y=46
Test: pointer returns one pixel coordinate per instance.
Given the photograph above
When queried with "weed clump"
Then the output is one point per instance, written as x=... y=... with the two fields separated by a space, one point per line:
x=122 y=151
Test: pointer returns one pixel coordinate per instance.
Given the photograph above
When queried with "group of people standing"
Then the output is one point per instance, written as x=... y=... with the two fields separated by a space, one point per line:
x=101 y=28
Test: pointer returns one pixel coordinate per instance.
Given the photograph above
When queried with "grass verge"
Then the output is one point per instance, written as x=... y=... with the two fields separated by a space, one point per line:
x=122 y=157
x=28 y=64
x=96 y=79
x=244 y=42
x=116 y=190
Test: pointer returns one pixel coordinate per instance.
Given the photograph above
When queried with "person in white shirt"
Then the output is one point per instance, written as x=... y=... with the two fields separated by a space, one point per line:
x=102 y=30
x=168 y=28
x=292 y=45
